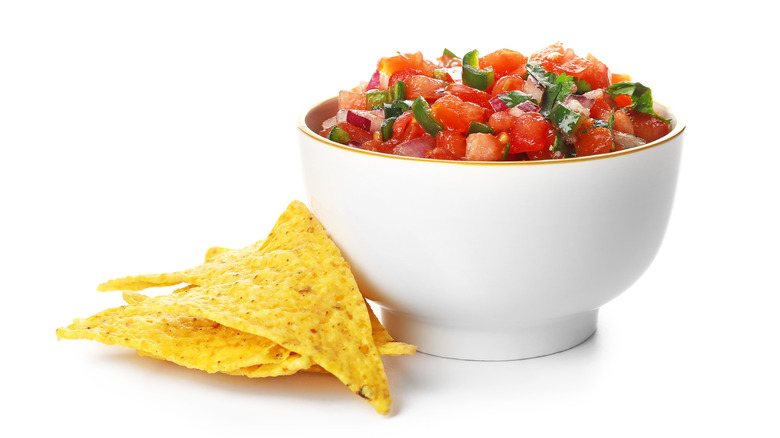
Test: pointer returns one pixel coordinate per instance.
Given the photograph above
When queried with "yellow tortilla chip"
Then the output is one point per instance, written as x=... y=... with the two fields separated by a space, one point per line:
x=202 y=344
x=291 y=292
x=185 y=340
x=298 y=291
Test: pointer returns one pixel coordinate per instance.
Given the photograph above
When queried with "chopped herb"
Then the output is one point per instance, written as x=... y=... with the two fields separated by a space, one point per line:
x=556 y=87
x=641 y=97
x=515 y=97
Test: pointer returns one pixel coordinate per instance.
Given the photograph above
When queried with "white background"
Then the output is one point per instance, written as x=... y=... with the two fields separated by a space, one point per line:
x=135 y=135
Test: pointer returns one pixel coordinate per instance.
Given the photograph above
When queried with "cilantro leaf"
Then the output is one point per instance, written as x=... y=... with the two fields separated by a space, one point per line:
x=513 y=98
x=641 y=97
x=556 y=87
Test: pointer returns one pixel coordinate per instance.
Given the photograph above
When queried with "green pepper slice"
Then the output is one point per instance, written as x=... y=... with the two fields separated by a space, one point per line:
x=566 y=119
x=397 y=108
x=397 y=91
x=422 y=113
x=339 y=135
x=448 y=53
x=375 y=99
x=477 y=127
x=475 y=77
x=387 y=128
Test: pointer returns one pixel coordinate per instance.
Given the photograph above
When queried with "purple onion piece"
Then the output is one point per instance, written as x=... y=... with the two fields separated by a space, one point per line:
x=415 y=147
x=627 y=141
x=583 y=100
x=373 y=83
x=356 y=119
x=497 y=104
x=528 y=107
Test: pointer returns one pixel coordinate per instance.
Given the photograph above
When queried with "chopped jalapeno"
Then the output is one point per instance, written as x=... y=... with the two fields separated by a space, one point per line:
x=339 y=135
x=422 y=113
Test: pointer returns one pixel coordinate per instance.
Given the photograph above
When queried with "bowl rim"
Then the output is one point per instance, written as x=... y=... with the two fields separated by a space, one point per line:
x=678 y=129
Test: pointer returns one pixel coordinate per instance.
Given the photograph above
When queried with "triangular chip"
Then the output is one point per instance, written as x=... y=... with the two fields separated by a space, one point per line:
x=293 y=289
x=200 y=343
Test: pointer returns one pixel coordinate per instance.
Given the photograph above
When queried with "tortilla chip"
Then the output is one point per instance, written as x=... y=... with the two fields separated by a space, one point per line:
x=291 y=292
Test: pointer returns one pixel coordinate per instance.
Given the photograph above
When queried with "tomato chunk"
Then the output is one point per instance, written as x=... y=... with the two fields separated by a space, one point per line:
x=352 y=100
x=470 y=94
x=403 y=75
x=483 y=147
x=457 y=115
x=648 y=127
x=593 y=142
x=504 y=62
x=428 y=88
x=508 y=83
x=449 y=146
x=530 y=132
x=392 y=64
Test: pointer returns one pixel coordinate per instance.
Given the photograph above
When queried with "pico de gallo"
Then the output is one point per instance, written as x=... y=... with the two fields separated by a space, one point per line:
x=503 y=106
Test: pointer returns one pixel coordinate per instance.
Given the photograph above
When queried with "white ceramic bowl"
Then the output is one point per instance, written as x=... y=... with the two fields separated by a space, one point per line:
x=491 y=261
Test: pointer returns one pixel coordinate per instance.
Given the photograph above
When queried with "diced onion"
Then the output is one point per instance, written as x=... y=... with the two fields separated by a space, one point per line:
x=376 y=117
x=532 y=87
x=373 y=83
x=579 y=100
x=415 y=147
x=498 y=104
x=627 y=141
x=330 y=122
x=528 y=107
x=356 y=119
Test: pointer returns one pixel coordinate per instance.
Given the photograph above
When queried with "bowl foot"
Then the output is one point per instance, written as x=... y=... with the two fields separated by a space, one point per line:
x=533 y=339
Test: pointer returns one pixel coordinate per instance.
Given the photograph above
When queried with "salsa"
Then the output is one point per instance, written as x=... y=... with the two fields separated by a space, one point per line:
x=503 y=106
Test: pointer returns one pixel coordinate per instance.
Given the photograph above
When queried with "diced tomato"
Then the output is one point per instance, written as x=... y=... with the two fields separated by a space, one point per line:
x=557 y=60
x=501 y=121
x=453 y=143
x=623 y=100
x=379 y=146
x=428 y=88
x=483 y=147
x=545 y=154
x=469 y=94
x=623 y=123
x=438 y=153
x=600 y=110
x=352 y=100
x=457 y=115
x=508 y=83
x=548 y=56
x=594 y=141
x=597 y=74
x=403 y=75
x=401 y=122
x=390 y=65
x=406 y=127
x=530 y=132
x=356 y=134
x=504 y=62
x=648 y=127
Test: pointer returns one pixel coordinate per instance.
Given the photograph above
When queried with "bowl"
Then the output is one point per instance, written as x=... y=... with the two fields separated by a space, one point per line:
x=491 y=260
